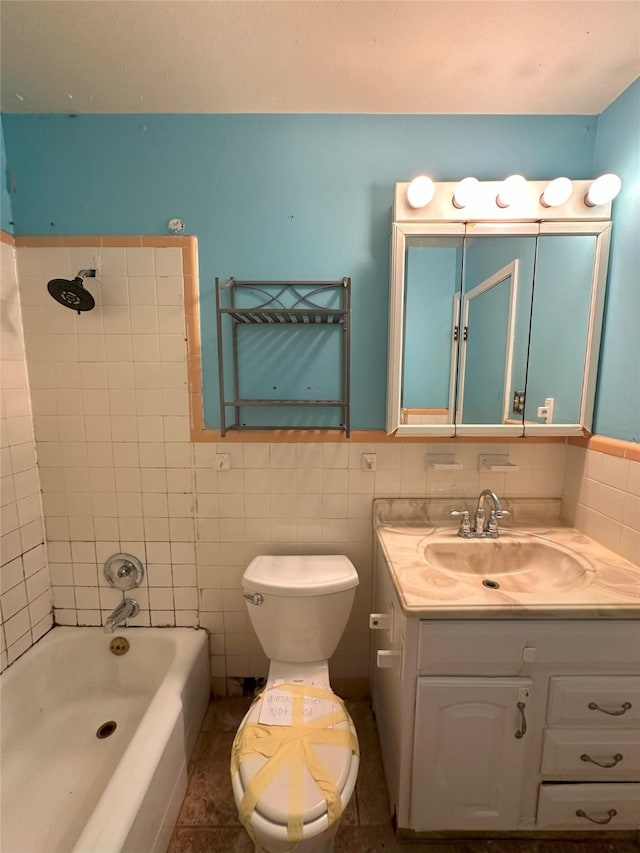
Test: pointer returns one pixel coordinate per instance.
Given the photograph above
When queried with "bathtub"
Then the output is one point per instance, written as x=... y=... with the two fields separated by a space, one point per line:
x=66 y=789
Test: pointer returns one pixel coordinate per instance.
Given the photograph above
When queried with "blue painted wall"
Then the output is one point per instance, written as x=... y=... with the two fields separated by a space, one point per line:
x=6 y=215
x=273 y=195
x=618 y=150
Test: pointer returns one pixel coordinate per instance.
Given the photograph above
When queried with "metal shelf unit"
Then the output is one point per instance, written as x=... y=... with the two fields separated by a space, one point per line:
x=282 y=303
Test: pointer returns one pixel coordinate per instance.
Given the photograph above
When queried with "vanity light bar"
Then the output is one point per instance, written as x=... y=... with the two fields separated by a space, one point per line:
x=513 y=199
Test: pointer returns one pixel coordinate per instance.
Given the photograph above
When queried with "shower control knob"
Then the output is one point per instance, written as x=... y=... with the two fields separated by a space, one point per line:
x=123 y=571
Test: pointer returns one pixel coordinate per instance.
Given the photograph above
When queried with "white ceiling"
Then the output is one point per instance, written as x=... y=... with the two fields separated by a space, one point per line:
x=302 y=56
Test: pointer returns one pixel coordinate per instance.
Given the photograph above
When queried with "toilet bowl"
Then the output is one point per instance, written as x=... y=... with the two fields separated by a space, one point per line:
x=295 y=756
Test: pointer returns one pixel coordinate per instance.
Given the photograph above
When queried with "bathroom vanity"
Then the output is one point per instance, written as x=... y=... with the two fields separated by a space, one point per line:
x=512 y=706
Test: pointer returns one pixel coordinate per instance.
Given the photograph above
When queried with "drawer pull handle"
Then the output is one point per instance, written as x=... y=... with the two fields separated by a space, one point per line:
x=626 y=706
x=523 y=725
x=615 y=760
x=610 y=815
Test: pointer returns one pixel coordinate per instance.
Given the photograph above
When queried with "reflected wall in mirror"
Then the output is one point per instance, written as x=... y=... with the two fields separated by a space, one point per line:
x=494 y=325
x=431 y=312
x=560 y=326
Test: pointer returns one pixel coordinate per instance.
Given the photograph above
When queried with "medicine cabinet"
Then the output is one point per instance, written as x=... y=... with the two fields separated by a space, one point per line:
x=495 y=323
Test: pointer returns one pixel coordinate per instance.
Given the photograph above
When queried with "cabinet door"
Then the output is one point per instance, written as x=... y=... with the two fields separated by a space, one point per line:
x=468 y=753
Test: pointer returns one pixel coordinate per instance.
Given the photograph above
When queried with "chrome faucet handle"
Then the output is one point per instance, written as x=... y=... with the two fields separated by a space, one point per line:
x=465 y=523
x=492 y=527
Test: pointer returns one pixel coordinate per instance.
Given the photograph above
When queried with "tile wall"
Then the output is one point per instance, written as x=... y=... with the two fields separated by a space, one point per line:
x=602 y=498
x=25 y=596
x=120 y=473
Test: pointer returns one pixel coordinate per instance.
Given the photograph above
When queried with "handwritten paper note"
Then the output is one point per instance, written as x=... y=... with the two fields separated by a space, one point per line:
x=278 y=707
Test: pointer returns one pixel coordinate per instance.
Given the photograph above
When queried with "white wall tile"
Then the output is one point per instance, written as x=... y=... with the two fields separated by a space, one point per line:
x=24 y=572
x=168 y=262
x=140 y=261
x=170 y=290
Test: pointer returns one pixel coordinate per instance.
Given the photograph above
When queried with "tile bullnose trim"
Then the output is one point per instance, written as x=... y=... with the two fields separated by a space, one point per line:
x=609 y=446
x=124 y=241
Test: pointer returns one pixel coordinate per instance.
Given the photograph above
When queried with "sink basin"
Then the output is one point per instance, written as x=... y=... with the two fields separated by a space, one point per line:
x=517 y=563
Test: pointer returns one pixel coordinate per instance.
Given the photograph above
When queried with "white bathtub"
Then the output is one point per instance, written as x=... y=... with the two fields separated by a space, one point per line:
x=63 y=788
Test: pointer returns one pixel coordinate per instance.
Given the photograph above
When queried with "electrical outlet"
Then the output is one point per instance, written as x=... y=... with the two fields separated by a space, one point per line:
x=223 y=462
x=546 y=411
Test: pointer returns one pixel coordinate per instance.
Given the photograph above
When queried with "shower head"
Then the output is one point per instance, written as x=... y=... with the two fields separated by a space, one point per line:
x=72 y=293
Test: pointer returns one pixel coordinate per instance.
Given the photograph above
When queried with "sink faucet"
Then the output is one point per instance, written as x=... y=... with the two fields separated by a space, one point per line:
x=481 y=523
x=482 y=527
x=125 y=610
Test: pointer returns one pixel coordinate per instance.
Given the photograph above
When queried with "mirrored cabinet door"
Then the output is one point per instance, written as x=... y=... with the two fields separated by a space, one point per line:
x=495 y=328
x=496 y=307
x=424 y=321
x=566 y=321
x=433 y=281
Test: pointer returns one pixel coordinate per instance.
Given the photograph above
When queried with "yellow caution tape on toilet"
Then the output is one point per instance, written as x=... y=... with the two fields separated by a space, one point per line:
x=293 y=745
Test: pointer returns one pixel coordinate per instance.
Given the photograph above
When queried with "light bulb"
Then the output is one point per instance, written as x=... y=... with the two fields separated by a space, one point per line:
x=466 y=192
x=602 y=190
x=511 y=190
x=556 y=192
x=420 y=192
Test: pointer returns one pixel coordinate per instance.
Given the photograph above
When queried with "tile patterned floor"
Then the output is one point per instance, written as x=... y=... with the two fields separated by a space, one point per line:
x=208 y=822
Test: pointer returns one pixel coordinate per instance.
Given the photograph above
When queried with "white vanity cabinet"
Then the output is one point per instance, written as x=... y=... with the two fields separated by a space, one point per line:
x=506 y=725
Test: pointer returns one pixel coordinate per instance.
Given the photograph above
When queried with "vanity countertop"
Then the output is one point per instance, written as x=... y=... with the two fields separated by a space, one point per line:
x=611 y=587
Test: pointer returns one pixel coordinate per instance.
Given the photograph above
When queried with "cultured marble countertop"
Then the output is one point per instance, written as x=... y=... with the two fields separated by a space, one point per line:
x=609 y=586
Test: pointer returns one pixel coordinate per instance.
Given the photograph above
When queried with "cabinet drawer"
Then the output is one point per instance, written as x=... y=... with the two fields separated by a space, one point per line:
x=592 y=754
x=507 y=647
x=590 y=806
x=612 y=701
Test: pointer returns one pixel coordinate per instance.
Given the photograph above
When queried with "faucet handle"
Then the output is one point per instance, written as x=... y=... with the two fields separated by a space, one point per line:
x=465 y=523
x=501 y=513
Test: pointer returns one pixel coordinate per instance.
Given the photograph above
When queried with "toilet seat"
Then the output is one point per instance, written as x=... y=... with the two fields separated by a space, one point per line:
x=290 y=783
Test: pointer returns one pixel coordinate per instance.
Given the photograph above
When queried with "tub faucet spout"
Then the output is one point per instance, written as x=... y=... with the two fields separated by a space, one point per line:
x=125 y=610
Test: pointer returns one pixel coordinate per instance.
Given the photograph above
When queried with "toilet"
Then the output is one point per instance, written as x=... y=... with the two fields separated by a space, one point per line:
x=295 y=756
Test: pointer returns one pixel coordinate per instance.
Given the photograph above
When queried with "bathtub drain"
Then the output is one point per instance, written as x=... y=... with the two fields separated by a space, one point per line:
x=119 y=646
x=106 y=729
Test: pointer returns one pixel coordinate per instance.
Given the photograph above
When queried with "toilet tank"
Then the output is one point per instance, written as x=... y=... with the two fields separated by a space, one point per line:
x=306 y=602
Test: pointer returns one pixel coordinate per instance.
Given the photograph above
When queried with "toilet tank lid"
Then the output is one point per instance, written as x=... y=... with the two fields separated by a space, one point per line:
x=300 y=575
